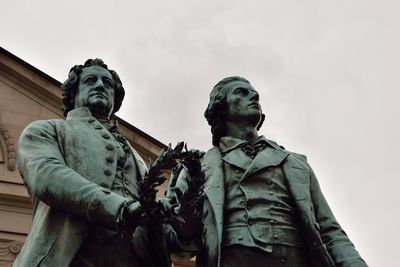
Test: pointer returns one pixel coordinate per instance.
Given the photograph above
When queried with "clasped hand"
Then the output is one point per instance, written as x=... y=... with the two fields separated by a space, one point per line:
x=165 y=212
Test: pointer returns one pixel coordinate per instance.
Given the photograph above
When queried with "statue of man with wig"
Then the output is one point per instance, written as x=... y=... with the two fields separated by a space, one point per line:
x=263 y=205
x=82 y=175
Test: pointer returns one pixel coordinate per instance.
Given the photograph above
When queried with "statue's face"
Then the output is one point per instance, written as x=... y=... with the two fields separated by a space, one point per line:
x=242 y=103
x=96 y=91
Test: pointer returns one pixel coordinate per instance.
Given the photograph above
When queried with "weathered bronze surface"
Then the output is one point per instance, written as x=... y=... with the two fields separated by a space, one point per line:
x=82 y=176
x=263 y=205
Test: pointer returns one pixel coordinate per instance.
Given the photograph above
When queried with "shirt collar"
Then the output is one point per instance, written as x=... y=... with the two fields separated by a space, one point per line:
x=228 y=143
x=79 y=113
x=85 y=113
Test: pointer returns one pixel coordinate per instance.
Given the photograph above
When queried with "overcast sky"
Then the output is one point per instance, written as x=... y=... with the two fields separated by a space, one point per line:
x=326 y=72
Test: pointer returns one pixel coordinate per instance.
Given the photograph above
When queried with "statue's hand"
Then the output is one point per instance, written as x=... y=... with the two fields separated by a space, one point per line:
x=135 y=215
x=170 y=211
x=164 y=212
x=190 y=212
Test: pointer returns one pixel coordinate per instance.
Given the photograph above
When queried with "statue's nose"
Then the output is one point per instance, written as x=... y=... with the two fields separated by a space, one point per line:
x=99 y=85
x=254 y=96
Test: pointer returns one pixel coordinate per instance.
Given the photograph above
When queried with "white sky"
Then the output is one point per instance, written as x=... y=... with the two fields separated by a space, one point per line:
x=326 y=71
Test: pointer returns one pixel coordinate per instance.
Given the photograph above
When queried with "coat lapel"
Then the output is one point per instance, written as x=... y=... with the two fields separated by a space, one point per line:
x=238 y=158
x=269 y=157
x=212 y=166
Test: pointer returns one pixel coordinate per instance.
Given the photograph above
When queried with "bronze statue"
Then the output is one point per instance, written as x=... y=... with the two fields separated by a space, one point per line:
x=82 y=176
x=263 y=205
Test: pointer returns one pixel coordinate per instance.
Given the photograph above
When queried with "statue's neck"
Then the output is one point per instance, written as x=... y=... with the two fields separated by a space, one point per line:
x=244 y=132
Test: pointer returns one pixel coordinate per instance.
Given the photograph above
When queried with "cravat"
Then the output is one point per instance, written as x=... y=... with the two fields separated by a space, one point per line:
x=252 y=150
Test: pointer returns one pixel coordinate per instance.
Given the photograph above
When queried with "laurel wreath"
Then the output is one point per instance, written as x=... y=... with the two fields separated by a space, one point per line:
x=172 y=159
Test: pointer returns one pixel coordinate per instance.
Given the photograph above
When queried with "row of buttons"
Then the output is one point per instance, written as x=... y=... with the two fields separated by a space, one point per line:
x=110 y=159
x=109 y=146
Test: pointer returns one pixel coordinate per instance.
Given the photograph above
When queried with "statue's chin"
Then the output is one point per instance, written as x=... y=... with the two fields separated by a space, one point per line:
x=99 y=108
x=253 y=118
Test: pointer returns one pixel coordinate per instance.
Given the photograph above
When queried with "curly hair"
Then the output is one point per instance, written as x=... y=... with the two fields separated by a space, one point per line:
x=70 y=86
x=216 y=109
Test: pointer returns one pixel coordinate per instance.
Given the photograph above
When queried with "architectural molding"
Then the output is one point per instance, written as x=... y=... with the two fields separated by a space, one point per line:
x=9 y=250
x=10 y=148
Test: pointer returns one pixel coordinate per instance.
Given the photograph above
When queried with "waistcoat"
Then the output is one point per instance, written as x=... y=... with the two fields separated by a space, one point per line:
x=259 y=209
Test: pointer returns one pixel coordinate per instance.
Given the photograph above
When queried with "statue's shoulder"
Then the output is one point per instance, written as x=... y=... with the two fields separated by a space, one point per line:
x=294 y=154
x=210 y=155
x=44 y=124
x=212 y=152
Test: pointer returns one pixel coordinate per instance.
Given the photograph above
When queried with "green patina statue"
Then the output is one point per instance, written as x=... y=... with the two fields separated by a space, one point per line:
x=82 y=176
x=246 y=202
x=263 y=205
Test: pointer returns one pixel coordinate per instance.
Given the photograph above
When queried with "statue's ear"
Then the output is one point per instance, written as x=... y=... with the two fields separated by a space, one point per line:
x=261 y=122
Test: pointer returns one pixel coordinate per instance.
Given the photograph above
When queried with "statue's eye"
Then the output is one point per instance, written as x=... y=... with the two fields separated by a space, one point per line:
x=241 y=91
x=90 y=80
x=108 y=83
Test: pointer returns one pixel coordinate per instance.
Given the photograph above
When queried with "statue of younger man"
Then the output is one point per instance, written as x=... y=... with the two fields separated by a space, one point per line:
x=263 y=205
x=82 y=175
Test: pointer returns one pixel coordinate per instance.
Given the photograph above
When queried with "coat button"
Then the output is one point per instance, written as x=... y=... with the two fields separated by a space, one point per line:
x=106 y=190
x=276 y=237
x=237 y=170
x=110 y=159
x=91 y=120
x=105 y=135
x=107 y=172
x=109 y=147
x=98 y=127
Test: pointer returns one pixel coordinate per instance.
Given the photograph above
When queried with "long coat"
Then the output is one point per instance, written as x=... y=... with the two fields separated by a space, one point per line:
x=328 y=244
x=68 y=167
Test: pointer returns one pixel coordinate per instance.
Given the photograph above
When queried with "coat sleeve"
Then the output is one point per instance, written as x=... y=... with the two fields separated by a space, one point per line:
x=49 y=179
x=338 y=245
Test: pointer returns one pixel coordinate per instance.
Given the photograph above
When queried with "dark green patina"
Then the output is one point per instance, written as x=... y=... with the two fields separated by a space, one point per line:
x=263 y=205
x=82 y=176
